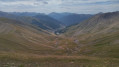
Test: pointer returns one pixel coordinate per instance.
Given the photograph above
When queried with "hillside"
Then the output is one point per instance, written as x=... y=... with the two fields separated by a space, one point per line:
x=16 y=36
x=49 y=21
x=97 y=36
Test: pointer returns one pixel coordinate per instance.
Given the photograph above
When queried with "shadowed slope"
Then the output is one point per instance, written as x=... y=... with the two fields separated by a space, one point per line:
x=40 y=20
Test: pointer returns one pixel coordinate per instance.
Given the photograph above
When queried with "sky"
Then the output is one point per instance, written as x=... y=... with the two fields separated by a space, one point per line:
x=48 y=6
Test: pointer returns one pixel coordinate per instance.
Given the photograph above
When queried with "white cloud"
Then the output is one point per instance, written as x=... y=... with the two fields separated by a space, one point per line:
x=47 y=6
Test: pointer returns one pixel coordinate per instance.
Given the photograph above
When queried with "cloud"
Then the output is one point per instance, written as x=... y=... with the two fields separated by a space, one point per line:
x=47 y=6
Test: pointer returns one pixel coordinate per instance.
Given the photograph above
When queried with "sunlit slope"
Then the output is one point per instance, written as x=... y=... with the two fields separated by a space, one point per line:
x=98 y=36
x=18 y=37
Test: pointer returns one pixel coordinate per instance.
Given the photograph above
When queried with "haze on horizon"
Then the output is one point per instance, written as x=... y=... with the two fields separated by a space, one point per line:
x=48 y=6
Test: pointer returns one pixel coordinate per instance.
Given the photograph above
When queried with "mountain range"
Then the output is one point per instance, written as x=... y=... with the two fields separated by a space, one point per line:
x=84 y=40
x=69 y=19
x=40 y=20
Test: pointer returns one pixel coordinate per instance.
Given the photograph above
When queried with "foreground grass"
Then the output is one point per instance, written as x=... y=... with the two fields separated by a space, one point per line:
x=30 y=60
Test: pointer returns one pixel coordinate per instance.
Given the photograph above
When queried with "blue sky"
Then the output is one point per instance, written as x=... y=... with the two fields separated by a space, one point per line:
x=48 y=6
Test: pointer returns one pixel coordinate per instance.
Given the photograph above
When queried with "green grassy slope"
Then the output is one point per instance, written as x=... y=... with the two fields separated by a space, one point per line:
x=97 y=36
x=18 y=37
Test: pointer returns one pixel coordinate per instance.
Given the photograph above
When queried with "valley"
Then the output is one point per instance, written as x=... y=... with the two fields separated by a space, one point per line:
x=31 y=40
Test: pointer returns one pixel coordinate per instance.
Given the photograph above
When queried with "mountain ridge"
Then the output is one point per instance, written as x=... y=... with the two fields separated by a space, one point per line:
x=38 y=22
x=97 y=36
x=69 y=19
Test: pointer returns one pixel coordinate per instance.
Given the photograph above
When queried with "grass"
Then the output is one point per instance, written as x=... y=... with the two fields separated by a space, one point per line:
x=27 y=60
x=102 y=46
x=27 y=54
